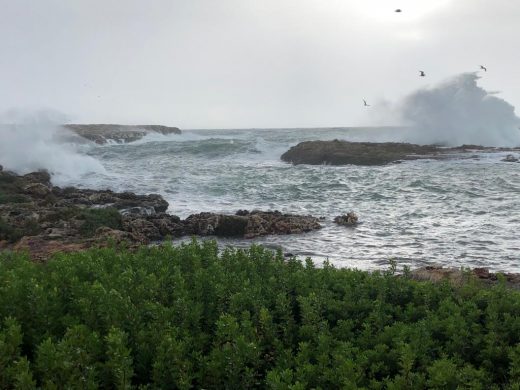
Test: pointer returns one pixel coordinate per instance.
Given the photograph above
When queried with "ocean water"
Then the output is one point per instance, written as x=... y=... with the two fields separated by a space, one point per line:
x=461 y=212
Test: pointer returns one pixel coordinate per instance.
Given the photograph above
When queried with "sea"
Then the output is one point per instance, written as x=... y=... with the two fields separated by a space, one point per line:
x=461 y=212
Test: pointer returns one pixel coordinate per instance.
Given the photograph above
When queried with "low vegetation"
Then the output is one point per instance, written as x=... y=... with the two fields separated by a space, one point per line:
x=191 y=317
x=96 y=218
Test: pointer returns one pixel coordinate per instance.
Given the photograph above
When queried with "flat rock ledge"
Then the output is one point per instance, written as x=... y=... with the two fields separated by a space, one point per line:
x=338 y=152
x=43 y=219
x=103 y=133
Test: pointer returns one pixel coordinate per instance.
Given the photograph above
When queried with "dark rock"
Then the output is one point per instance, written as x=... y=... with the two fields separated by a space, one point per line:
x=209 y=224
x=242 y=213
x=510 y=158
x=142 y=227
x=262 y=223
x=349 y=219
x=371 y=153
x=357 y=153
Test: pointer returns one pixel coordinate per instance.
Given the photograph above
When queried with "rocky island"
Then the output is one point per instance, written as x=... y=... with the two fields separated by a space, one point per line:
x=103 y=133
x=338 y=152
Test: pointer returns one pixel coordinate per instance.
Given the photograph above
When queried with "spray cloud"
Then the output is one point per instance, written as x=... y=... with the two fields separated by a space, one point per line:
x=35 y=140
x=457 y=112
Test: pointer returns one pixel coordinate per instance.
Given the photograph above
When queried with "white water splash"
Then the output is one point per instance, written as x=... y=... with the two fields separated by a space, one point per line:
x=455 y=112
x=35 y=140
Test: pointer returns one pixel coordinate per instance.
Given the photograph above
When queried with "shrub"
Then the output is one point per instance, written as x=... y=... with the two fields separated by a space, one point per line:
x=96 y=218
x=193 y=317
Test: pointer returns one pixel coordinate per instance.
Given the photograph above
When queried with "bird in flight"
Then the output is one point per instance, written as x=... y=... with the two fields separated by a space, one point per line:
x=483 y=67
x=398 y=10
x=365 y=103
x=421 y=73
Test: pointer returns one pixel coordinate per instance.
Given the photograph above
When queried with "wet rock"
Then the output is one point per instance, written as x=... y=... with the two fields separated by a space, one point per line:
x=142 y=227
x=349 y=219
x=209 y=224
x=168 y=225
x=510 y=158
x=262 y=223
x=357 y=153
x=372 y=153
x=249 y=224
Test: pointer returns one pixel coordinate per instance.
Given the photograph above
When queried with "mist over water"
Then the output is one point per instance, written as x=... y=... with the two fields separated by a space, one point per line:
x=35 y=140
x=455 y=112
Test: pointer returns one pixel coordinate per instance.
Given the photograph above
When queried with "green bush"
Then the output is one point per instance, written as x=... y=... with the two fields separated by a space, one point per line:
x=96 y=218
x=13 y=234
x=190 y=317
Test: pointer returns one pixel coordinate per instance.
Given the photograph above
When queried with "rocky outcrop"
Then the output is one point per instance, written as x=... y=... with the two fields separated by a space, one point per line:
x=372 y=153
x=349 y=219
x=357 y=153
x=249 y=224
x=103 y=133
x=43 y=219
x=510 y=158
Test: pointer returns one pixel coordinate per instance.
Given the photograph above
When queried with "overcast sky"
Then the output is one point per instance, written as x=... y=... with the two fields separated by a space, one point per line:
x=246 y=63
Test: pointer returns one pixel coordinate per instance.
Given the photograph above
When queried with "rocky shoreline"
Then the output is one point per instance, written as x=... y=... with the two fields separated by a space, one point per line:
x=338 y=152
x=43 y=219
x=103 y=133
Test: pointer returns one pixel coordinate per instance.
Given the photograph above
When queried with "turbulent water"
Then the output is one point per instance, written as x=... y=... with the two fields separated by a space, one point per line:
x=458 y=212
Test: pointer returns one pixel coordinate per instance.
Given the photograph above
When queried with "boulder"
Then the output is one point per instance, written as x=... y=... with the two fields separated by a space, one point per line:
x=349 y=219
x=209 y=224
x=510 y=158
x=142 y=227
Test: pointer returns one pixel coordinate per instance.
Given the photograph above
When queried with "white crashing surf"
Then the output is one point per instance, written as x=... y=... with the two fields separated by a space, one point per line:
x=455 y=112
x=36 y=140
x=459 y=111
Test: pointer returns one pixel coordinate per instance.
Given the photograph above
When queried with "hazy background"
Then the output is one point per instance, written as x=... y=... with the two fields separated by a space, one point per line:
x=247 y=63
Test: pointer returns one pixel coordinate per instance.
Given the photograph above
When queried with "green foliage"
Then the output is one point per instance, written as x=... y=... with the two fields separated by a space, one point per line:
x=12 y=234
x=190 y=317
x=96 y=218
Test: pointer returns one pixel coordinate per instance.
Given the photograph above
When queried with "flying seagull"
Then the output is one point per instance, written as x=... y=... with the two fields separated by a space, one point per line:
x=365 y=103
x=398 y=10
x=421 y=73
x=483 y=67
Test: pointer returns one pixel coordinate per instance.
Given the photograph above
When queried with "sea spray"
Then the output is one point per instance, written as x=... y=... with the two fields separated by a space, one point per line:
x=35 y=140
x=457 y=111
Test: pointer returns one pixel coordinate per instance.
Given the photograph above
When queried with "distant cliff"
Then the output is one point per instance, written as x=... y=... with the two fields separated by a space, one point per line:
x=102 y=133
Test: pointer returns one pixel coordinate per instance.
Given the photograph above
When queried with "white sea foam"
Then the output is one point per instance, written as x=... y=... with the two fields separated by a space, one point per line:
x=457 y=111
x=35 y=140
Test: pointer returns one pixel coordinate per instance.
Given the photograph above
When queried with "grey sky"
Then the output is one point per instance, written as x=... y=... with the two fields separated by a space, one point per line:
x=245 y=63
